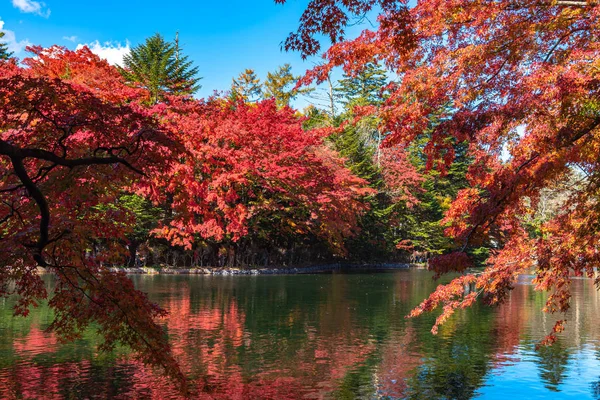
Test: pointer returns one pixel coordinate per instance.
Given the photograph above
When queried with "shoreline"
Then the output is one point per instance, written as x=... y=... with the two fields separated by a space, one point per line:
x=316 y=269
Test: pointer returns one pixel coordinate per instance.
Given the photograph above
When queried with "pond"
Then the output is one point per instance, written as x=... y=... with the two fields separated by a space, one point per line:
x=338 y=336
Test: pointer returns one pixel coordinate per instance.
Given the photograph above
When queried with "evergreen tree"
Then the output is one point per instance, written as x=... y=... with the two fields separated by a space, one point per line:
x=352 y=145
x=390 y=221
x=359 y=144
x=4 y=53
x=440 y=189
x=159 y=66
x=315 y=118
x=363 y=89
x=280 y=85
x=247 y=86
x=147 y=218
x=374 y=242
x=186 y=75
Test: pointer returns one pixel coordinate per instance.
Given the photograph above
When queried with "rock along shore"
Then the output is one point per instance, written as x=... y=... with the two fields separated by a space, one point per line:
x=266 y=271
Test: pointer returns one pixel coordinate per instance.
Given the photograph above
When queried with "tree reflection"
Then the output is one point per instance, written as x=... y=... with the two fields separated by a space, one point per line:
x=331 y=336
x=552 y=364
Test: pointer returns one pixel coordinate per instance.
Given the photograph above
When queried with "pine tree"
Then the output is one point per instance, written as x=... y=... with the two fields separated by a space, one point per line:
x=280 y=86
x=186 y=79
x=388 y=221
x=352 y=145
x=247 y=86
x=375 y=241
x=158 y=66
x=4 y=53
x=146 y=216
x=359 y=143
x=363 y=89
x=425 y=230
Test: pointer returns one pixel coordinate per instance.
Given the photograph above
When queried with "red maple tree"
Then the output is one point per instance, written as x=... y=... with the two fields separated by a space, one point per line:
x=250 y=169
x=519 y=81
x=72 y=135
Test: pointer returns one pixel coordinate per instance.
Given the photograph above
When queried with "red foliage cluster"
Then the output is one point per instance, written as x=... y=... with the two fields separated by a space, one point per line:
x=250 y=169
x=400 y=176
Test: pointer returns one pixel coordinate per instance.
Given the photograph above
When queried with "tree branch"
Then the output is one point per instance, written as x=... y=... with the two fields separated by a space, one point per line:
x=14 y=151
x=41 y=202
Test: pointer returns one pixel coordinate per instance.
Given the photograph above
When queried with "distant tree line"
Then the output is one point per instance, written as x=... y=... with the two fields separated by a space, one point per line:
x=403 y=210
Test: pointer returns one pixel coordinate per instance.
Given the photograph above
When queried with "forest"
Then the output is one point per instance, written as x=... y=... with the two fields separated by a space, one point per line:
x=462 y=134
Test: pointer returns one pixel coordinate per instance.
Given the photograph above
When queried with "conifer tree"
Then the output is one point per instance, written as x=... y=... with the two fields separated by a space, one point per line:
x=366 y=88
x=363 y=89
x=315 y=118
x=351 y=144
x=440 y=189
x=359 y=144
x=159 y=66
x=280 y=86
x=390 y=220
x=426 y=232
x=246 y=86
x=4 y=53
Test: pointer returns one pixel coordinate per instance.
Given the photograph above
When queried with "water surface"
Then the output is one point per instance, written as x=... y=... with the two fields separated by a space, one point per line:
x=339 y=336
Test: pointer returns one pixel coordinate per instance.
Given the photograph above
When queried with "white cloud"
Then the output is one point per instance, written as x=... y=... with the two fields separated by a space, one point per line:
x=10 y=39
x=111 y=52
x=70 y=38
x=34 y=7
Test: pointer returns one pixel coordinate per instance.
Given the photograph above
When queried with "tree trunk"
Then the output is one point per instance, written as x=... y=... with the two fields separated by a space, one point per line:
x=133 y=247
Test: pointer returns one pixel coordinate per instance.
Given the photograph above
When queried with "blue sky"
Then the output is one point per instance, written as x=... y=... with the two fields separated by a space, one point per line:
x=221 y=37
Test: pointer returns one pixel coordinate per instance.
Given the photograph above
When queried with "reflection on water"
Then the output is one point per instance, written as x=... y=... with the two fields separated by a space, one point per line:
x=313 y=337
